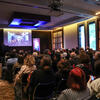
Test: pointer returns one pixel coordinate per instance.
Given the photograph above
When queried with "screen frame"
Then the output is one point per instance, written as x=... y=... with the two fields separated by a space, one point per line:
x=5 y=36
x=79 y=25
x=90 y=22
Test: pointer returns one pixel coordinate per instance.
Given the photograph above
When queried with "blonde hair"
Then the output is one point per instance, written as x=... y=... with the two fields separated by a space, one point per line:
x=29 y=60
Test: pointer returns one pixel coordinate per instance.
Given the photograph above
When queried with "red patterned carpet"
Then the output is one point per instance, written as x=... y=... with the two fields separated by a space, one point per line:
x=6 y=91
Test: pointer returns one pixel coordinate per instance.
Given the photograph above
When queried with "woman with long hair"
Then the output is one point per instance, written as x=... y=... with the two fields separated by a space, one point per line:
x=44 y=74
x=21 y=77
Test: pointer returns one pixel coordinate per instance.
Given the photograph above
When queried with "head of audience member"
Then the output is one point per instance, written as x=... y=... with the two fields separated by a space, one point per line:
x=90 y=52
x=7 y=55
x=77 y=79
x=97 y=55
x=63 y=55
x=29 y=60
x=14 y=50
x=97 y=68
x=20 y=59
x=74 y=59
x=57 y=51
x=63 y=64
x=12 y=55
x=35 y=54
x=47 y=52
x=81 y=50
x=46 y=62
x=64 y=67
x=21 y=52
x=56 y=57
x=72 y=54
x=84 y=58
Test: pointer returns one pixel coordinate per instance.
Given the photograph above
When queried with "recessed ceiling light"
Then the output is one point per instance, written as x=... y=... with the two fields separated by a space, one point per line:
x=26 y=20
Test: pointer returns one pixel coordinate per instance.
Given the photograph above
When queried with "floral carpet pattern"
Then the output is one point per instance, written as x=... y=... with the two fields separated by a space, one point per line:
x=6 y=90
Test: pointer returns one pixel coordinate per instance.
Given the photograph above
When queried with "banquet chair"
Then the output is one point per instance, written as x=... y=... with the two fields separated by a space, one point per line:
x=43 y=91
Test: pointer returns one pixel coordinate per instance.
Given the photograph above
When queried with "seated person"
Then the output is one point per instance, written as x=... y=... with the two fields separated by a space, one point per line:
x=21 y=79
x=64 y=68
x=17 y=66
x=42 y=75
x=94 y=85
x=77 y=86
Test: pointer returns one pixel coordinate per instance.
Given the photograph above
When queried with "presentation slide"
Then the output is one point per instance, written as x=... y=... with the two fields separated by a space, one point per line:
x=17 y=38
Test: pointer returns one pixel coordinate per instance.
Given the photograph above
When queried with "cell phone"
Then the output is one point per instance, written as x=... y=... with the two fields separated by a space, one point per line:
x=92 y=77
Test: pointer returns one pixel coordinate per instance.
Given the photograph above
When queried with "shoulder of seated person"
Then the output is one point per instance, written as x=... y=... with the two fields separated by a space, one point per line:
x=95 y=83
x=66 y=91
x=97 y=80
x=35 y=72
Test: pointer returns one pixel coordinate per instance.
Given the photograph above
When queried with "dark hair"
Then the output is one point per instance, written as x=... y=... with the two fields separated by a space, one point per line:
x=84 y=58
x=97 y=68
x=63 y=63
x=12 y=55
x=20 y=59
x=77 y=79
x=57 y=55
x=45 y=61
x=97 y=55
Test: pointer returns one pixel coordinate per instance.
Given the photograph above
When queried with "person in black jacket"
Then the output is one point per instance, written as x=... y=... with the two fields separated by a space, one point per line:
x=43 y=75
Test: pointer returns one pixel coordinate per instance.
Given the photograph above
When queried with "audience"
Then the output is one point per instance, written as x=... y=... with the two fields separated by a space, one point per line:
x=70 y=70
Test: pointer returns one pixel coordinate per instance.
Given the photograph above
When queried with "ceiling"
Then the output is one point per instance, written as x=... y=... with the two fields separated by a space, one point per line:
x=71 y=11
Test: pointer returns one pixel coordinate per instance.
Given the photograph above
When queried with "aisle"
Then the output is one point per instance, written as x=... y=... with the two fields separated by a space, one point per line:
x=6 y=91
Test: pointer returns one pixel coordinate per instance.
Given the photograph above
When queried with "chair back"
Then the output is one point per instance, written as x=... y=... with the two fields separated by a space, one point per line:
x=43 y=91
x=24 y=79
x=61 y=86
x=10 y=72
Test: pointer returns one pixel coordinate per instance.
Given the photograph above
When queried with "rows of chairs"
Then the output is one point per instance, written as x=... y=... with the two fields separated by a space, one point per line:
x=45 y=91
